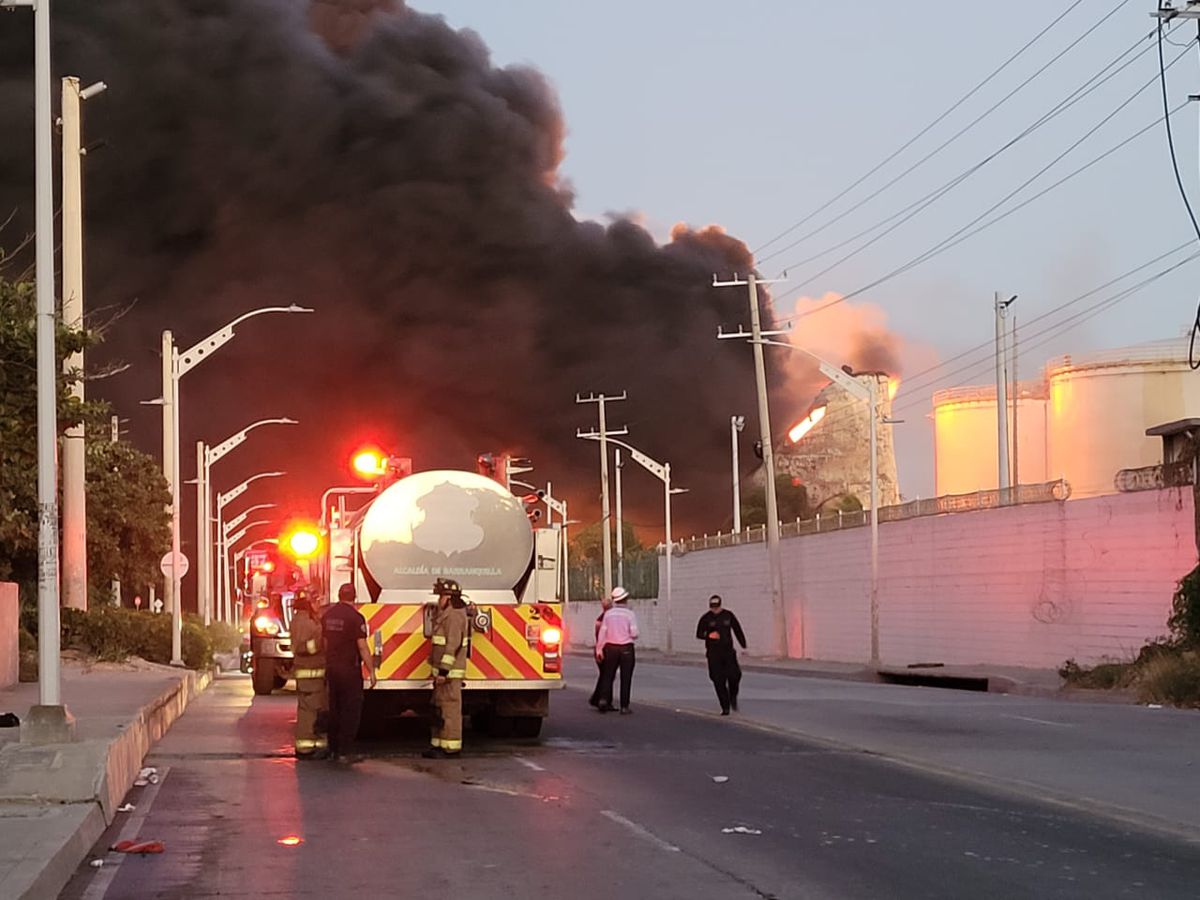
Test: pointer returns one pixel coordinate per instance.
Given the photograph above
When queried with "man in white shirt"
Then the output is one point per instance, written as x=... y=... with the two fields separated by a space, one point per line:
x=614 y=650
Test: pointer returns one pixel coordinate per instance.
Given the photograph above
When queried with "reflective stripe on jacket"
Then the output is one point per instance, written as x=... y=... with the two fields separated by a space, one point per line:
x=448 y=645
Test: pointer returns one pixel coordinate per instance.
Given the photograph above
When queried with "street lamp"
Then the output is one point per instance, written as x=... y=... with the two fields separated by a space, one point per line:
x=868 y=393
x=205 y=457
x=49 y=721
x=228 y=542
x=224 y=500
x=662 y=471
x=736 y=424
x=174 y=366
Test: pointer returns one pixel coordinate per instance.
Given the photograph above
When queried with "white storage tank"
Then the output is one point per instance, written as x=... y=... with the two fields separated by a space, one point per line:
x=965 y=444
x=1100 y=405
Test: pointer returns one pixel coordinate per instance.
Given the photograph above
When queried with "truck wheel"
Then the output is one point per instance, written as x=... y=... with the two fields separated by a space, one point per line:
x=527 y=726
x=263 y=677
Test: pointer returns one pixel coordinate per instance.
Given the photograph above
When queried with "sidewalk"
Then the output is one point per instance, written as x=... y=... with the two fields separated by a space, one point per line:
x=995 y=679
x=56 y=800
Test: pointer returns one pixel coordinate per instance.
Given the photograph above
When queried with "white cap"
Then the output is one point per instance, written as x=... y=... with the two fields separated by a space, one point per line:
x=619 y=594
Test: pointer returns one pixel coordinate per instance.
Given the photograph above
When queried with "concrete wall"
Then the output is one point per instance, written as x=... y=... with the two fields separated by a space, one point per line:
x=9 y=621
x=1021 y=586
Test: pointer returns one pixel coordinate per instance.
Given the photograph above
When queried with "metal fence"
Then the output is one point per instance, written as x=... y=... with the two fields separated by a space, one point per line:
x=1155 y=478
x=1051 y=491
x=640 y=578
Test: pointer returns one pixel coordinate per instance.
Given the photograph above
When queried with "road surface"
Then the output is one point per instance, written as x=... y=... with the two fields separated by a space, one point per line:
x=603 y=806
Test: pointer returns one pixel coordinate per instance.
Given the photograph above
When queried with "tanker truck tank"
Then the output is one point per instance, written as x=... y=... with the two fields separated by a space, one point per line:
x=446 y=524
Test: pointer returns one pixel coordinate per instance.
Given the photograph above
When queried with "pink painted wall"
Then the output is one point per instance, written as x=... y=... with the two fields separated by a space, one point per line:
x=1023 y=586
x=9 y=620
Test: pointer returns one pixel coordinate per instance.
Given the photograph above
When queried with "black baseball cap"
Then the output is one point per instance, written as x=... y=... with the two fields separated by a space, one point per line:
x=714 y=600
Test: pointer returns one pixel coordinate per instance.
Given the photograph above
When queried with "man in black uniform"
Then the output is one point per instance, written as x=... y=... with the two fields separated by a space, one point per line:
x=717 y=628
x=346 y=652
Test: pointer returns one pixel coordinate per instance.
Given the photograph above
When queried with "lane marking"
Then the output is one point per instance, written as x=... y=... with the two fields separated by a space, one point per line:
x=639 y=831
x=1038 y=721
x=529 y=764
x=97 y=888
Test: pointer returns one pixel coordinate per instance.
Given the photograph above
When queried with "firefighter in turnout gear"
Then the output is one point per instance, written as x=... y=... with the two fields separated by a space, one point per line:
x=311 y=697
x=448 y=659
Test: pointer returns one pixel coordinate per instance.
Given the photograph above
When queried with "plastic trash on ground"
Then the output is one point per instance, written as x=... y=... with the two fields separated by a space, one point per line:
x=720 y=779
x=740 y=829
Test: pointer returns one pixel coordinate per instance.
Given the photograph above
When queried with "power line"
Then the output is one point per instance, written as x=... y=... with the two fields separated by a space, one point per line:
x=920 y=134
x=924 y=159
x=1193 y=363
x=946 y=242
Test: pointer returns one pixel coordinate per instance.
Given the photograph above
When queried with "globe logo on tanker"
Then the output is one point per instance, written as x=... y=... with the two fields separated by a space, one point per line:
x=447 y=524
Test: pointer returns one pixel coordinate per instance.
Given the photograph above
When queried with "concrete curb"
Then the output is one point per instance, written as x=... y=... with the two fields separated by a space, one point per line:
x=121 y=765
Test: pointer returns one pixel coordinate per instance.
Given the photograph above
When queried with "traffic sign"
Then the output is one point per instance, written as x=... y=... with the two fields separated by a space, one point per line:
x=165 y=565
x=157 y=605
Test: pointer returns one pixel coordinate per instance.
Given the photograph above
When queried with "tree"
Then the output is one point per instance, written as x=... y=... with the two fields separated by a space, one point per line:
x=127 y=496
x=129 y=528
x=790 y=494
x=587 y=544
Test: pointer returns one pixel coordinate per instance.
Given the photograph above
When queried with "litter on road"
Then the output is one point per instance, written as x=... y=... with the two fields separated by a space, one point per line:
x=740 y=829
x=720 y=779
x=139 y=847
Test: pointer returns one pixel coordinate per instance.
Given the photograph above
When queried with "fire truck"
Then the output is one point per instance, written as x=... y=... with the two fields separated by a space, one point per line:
x=473 y=529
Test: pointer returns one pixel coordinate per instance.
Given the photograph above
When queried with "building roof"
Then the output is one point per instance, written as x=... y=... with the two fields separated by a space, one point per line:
x=1169 y=429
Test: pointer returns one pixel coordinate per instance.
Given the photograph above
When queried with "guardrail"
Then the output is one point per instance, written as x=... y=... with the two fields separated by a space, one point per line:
x=1049 y=492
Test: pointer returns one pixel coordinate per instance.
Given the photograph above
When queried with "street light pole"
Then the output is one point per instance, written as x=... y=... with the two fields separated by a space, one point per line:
x=224 y=500
x=870 y=395
x=49 y=721
x=206 y=457
x=661 y=471
x=175 y=366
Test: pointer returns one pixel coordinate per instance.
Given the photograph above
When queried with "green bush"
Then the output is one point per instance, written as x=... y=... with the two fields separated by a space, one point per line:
x=1105 y=676
x=1173 y=679
x=225 y=638
x=1185 y=610
x=113 y=634
x=27 y=655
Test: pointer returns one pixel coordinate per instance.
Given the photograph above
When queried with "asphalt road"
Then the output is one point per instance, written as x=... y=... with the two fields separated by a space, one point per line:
x=602 y=806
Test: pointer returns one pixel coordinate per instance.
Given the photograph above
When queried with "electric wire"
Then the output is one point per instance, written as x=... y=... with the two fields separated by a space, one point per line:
x=969 y=126
x=1048 y=333
x=920 y=134
x=1193 y=362
x=933 y=251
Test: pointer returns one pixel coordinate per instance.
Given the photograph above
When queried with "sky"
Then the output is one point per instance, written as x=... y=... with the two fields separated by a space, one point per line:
x=687 y=112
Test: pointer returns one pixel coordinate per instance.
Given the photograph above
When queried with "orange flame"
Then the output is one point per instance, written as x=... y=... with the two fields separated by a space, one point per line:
x=893 y=386
x=805 y=425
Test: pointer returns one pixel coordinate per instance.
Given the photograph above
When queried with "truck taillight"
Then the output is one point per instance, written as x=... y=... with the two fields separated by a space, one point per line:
x=551 y=644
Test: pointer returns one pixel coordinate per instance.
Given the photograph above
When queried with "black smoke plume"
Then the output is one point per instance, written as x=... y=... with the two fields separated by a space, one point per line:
x=371 y=162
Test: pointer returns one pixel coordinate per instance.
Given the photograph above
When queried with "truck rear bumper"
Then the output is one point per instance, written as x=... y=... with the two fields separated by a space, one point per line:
x=476 y=685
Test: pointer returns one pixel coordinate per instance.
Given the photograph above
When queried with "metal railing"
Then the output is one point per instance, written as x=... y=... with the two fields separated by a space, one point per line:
x=1049 y=492
x=640 y=578
x=1155 y=478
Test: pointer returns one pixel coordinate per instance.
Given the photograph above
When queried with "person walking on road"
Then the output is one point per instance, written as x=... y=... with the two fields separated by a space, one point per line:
x=614 y=650
x=448 y=660
x=309 y=671
x=605 y=606
x=346 y=654
x=717 y=628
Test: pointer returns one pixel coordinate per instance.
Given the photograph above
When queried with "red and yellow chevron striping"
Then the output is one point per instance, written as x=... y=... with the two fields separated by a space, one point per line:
x=508 y=651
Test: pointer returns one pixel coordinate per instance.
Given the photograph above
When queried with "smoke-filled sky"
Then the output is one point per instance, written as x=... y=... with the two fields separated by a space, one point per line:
x=373 y=163
x=445 y=211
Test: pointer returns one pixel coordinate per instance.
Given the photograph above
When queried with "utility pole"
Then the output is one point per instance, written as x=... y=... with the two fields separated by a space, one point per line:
x=203 y=535
x=554 y=505
x=873 y=599
x=620 y=524
x=1000 y=307
x=736 y=424
x=774 y=561
x=603 y=434
x=74 y=477
x=1016 y=415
